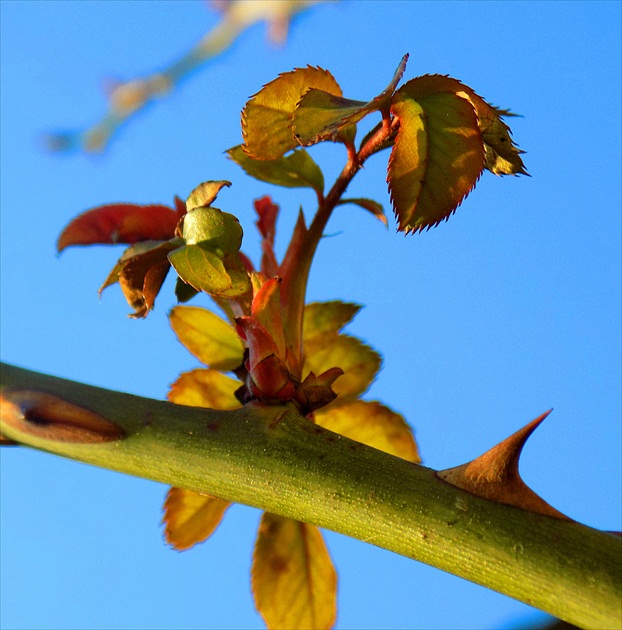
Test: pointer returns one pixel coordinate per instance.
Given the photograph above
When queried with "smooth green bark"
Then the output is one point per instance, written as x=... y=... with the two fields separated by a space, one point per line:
x=274 y=459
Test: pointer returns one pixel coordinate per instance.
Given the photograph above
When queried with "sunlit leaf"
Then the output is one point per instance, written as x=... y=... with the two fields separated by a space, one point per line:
x=294 y=581
x=323 y=115
x=359 y=362
x=205 y=388
x=191 y=517
x=297 y=170
x=438 y=154
x=205 y=193
x=267 y=212
x=266 y=116
x=200 y=268
x=370 y=205
x=212 y=228
x=208 y=337
x=120 y=223
x=321 y=318
x=373 y=424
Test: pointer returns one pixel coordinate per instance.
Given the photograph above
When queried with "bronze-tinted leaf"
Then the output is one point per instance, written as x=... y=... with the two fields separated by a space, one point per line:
x=321 y=318
x=266 y=116
x=205 y=193
x=373 y=424
x=120 y=223
x=438 y=154
x=209 y=338
x=370 y=205
x=294 y=581
x=205 y=388
x=191 y=517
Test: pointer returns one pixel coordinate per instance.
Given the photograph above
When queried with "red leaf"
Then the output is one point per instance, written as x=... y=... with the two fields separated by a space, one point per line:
x=121 y=223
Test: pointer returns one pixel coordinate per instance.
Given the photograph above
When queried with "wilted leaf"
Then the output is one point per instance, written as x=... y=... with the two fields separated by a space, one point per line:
x=205 y=193
x=373 y=424
x=323 y=115
x=205 y=388
x=140 y=273
x=266 y=116
x=359 y=362
x=297 y=170
x=200 y=268
x=191 y=517
x=208 y=337
x=438 y=154
x=494 y=475
x=120 y=223
x=370 y=205
x=294 y=581
x=321 y=318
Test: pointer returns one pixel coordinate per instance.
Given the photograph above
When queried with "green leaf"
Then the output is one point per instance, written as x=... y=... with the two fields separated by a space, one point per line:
x=370 y=205
x=213 y=228
x=293 y=578
x=205 y=194
x=191 y=517
x=297 y=170
x=209 y=338
x=201 y=268
x=325 y=318
x=184 y=292
x=266 y=116
x=438 y=154
x=325 y=115
x=205 y=388
x=373 y=424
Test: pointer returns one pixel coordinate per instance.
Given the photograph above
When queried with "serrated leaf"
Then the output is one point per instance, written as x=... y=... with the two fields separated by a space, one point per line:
x=373 y=424
x=324 y=115
x=438 y=154
x=322 y=318
x=200 y=268
x=205 y=193
x=293 y=578
x=205 y=388
x=359 y=362
x=209 y=338
x=266 y=116
x=297 y=170
x=191 y=517
x=120 y=223
x=370 y=205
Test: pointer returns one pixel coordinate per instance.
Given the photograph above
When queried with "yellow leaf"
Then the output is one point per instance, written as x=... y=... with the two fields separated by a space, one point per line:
x=205 y=388
x=294 y=581
x=191 y=517
x=327 y=317
x=359 y=362
x=208 y=337
x=266 y=116
x=373 y=424
x=438 y=154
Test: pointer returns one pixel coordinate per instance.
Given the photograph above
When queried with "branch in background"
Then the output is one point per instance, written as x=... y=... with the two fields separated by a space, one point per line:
x=126 y=99
x=274 y=459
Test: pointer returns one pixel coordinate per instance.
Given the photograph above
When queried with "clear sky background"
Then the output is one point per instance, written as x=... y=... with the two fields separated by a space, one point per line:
x=510 y=308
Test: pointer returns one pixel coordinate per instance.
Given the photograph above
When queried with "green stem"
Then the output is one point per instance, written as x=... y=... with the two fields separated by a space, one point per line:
x=273 y=459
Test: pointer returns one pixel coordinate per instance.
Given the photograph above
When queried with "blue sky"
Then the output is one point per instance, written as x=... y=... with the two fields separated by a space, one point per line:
x=508 y=309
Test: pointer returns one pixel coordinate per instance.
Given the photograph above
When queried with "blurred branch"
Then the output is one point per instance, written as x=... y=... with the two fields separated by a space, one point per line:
x=271 y=458
x=126 y=99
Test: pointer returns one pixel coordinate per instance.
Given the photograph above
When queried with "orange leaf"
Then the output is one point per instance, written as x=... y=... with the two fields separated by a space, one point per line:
x=191 y=517
x=208 y=337
x=294 y=581
x=266 y=116
x=438 y=154
x=373 y=424
x=120 y=223
x=205 y=388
